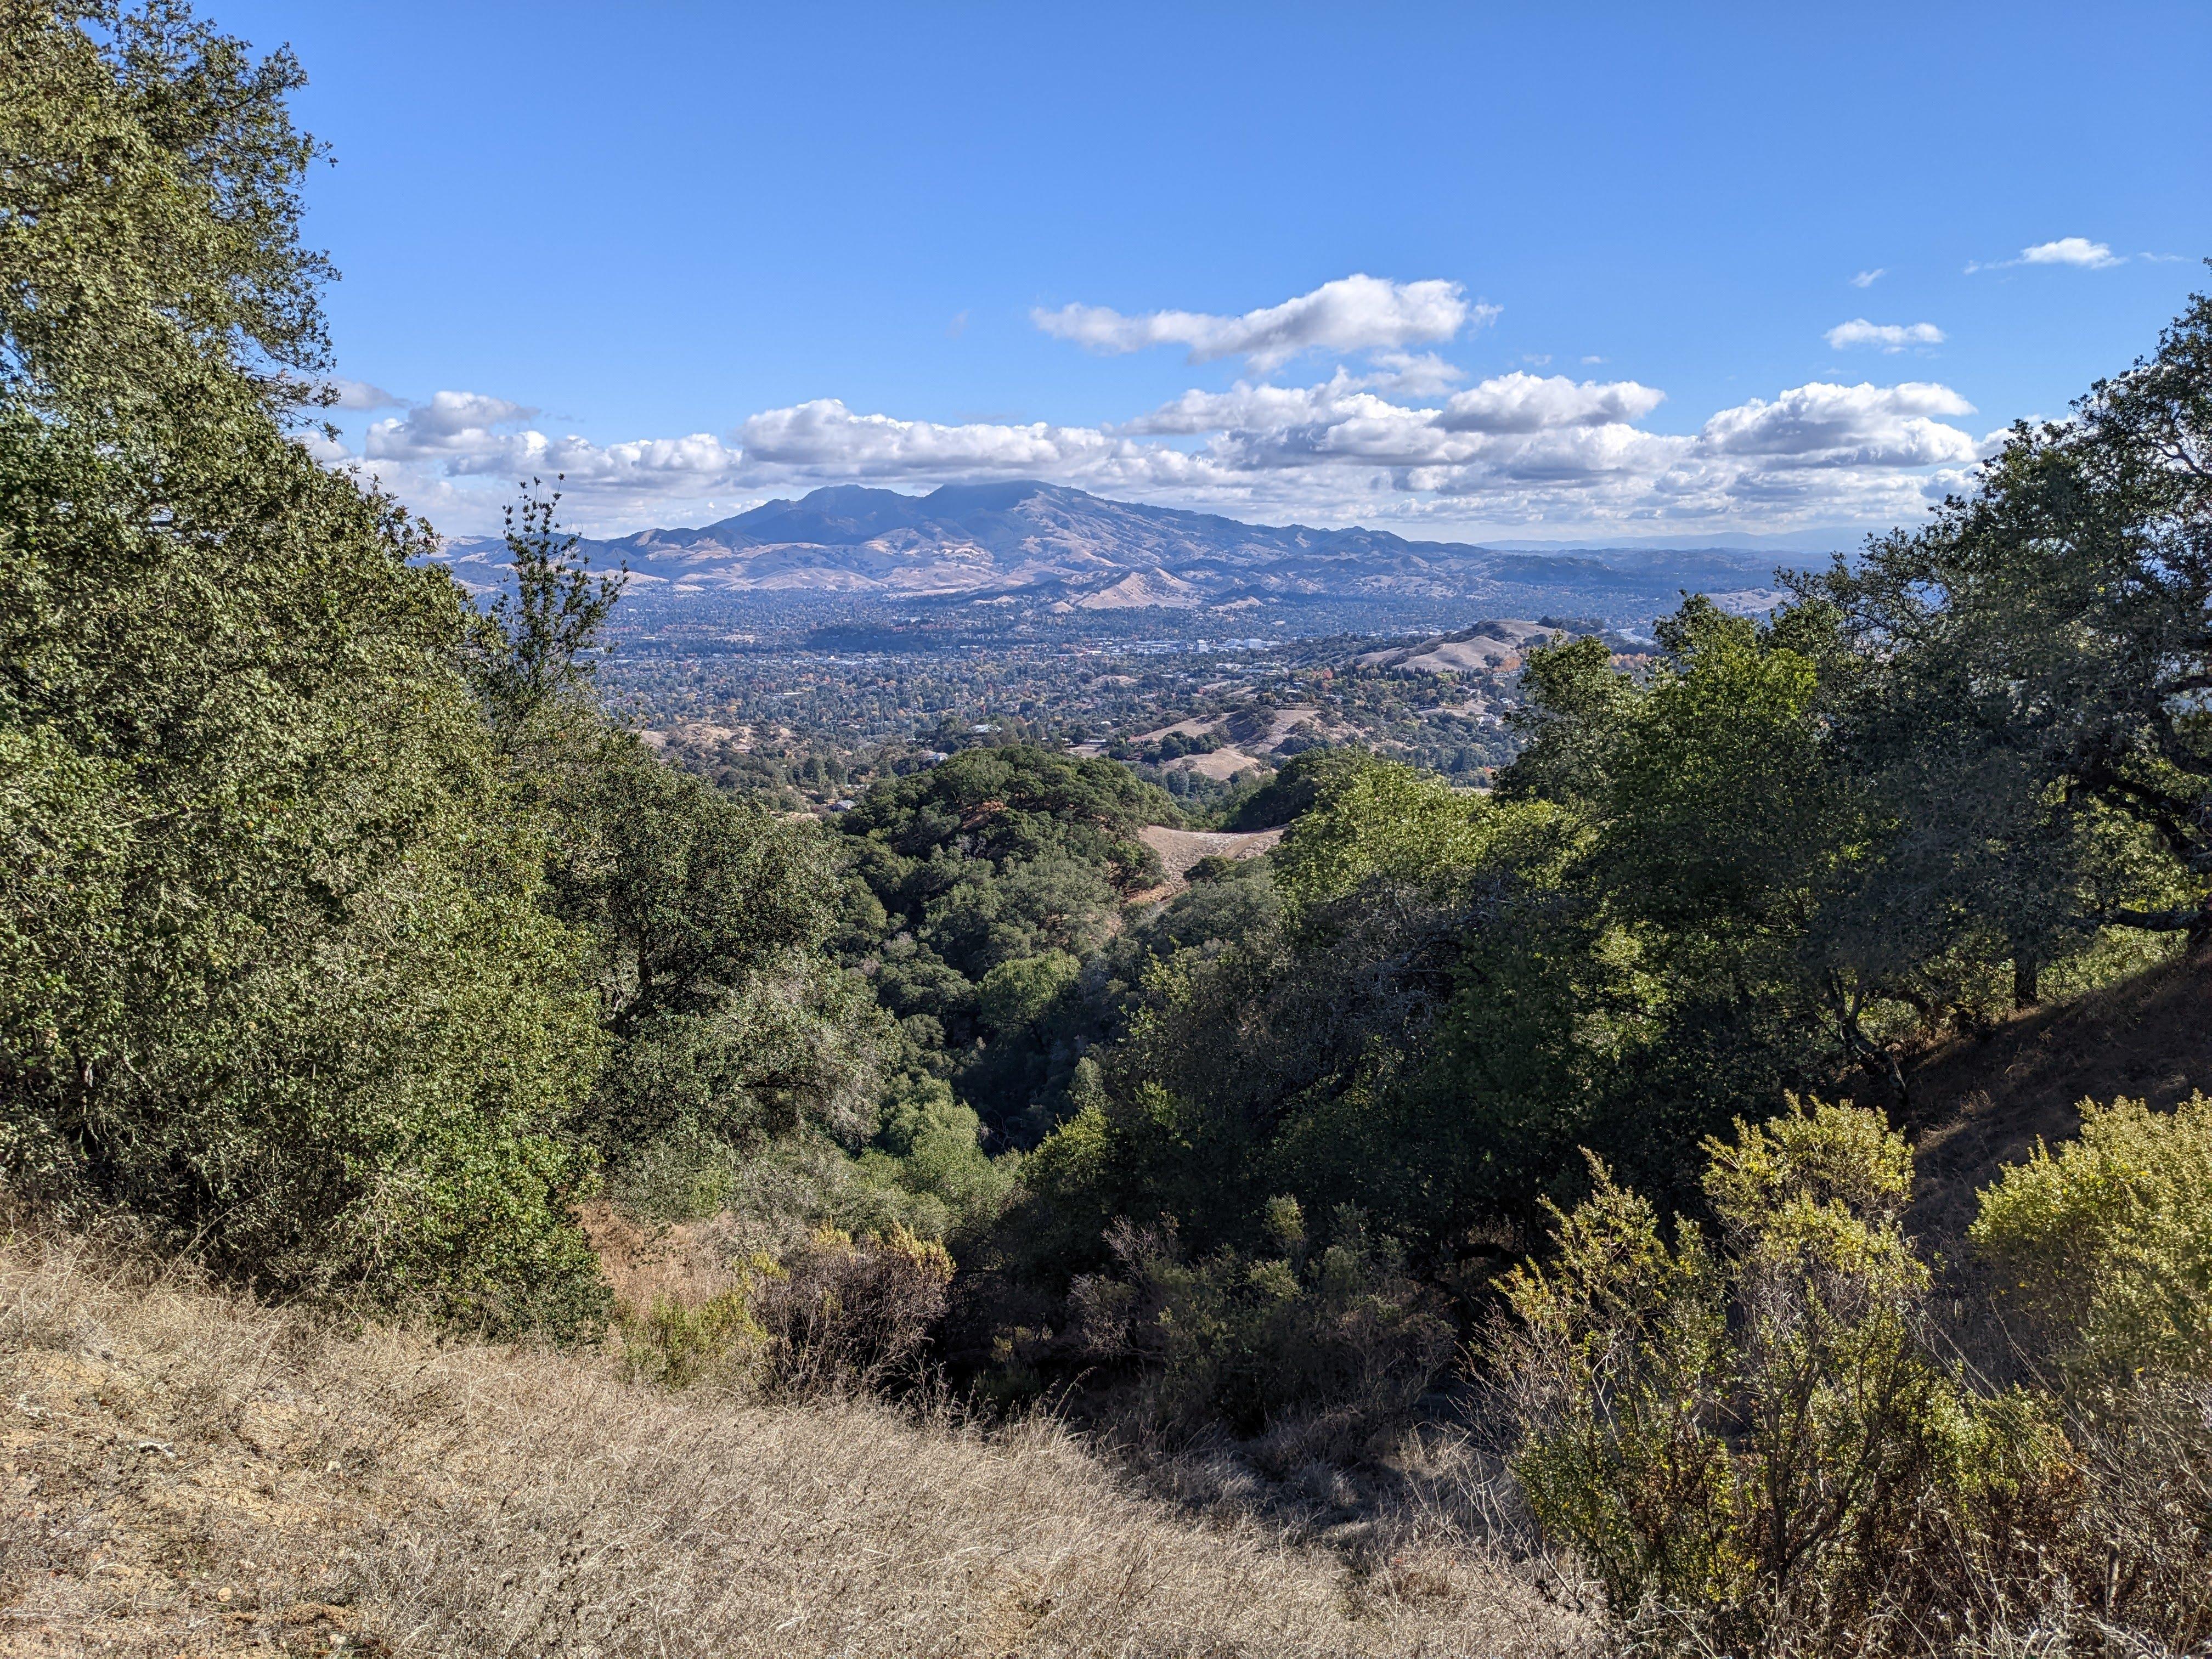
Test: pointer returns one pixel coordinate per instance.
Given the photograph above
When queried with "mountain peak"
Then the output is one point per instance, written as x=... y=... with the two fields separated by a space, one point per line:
x=1067 y=548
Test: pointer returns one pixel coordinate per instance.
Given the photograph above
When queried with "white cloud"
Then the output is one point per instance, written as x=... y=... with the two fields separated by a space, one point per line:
x=360 y=395
x=825 y=433
x=1527 y=403
x=1862 y=426
x=1869 y=278
x=459 y=424
x=1516 y=448
x=1890 y=336
x=1352 y=313
x=1413 y=374
x=2076 y=251
x=2070 y=250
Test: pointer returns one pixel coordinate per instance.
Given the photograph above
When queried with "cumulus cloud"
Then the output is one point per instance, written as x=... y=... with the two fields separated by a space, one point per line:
x=1352 y=313
x=455 y=455
x=1824 y=424
x=460 y=424
x=2076 y=251
x=2070 y=250
x=1517 y=447
x=825 y=433
x=1413 y=374
x=1529 y=403
x=1869 y=278
x=1890 y=336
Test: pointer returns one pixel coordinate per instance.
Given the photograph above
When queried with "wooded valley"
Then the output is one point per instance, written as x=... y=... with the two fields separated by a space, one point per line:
x=354 y=956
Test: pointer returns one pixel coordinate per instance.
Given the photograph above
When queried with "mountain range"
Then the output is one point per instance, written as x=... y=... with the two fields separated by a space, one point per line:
x=1067 y=550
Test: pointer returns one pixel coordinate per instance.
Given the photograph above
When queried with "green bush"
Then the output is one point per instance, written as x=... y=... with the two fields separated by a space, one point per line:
x=1749 y=1439
x=2106 y=1245
x=276 y=981
x=930 y=1147
x=1243 y=1339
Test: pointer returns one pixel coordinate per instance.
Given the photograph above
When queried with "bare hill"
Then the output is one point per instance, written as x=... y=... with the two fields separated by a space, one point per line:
x=1179 y=849
x=1493 y=646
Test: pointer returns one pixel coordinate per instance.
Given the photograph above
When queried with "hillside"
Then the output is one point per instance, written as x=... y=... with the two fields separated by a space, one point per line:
x=1494 y=645
x=1067 y=548
x=190 y=1472
x=1986 y=1099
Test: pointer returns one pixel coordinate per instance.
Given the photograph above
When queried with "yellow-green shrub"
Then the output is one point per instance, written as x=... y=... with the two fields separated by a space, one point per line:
x=678 y=1344
x=1747 y=1437
x=2107 y=1244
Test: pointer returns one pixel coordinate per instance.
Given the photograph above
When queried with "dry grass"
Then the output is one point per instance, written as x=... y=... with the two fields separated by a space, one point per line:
x=189 y=1473
x=1987 y=1100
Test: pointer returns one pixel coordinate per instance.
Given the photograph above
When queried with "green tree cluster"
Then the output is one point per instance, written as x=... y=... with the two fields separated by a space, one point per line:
x=341 y=940
x=1969 y=767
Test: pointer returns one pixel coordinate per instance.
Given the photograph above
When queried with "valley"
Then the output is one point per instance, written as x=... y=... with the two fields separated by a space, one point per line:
x=803 y=649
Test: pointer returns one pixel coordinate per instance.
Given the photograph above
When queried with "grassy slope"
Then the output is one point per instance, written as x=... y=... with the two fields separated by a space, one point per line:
x=1986 y=1099
x=188 y=1473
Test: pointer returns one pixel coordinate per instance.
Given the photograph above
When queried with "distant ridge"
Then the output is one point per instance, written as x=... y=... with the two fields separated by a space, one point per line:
x=1067 y=550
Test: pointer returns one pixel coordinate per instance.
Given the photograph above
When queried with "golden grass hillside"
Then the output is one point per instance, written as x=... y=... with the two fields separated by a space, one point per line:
x=190 y=1473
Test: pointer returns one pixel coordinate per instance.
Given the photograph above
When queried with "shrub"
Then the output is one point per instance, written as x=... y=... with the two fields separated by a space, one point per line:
x=834 y=1314
x=676 y=1344
x=1244 y=1339
x=930 y=1147
x=840 y=1315
x=2101 y=1252
x=2106 y=1246
x=1748 y=1439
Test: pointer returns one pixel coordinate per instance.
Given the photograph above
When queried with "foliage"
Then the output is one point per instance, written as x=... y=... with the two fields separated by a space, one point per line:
x=678 y=1344
x=533 y=645
x=976 y=892
x=840 y=1315
x=279 y=983
x=1303 y=780
x=1241 y=1340
x=831 y=1314
x=930 y=1146
x=2046 y=659
x=150 y=229
x=1018 y=804
x=1380 y=821
x=1749 y=1440
x=2106 y=1245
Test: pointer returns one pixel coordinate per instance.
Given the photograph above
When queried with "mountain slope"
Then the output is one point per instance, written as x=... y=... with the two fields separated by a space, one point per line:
x=1065 y=545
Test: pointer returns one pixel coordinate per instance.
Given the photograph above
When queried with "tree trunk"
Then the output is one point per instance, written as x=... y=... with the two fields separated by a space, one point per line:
x=2025 y=972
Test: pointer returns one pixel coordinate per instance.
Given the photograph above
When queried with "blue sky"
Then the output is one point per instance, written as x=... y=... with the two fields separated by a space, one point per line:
x=702 y=255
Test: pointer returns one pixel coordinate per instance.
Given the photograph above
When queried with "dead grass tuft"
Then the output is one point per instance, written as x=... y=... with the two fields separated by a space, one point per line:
x=189 y=1473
